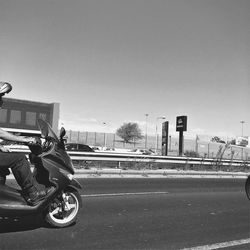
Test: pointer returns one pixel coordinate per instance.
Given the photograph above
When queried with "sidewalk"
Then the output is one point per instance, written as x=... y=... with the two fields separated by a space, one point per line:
x=119 y=173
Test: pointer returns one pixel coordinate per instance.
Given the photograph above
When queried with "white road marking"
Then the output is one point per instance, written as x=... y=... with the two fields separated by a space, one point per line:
x=220 y=245
x=122 y=194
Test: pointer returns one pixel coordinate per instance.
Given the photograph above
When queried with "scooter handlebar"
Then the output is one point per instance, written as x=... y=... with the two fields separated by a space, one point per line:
x=35 y=147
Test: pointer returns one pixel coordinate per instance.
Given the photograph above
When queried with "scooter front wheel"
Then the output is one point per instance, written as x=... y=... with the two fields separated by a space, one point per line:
x=247 y=187
x=63 y=211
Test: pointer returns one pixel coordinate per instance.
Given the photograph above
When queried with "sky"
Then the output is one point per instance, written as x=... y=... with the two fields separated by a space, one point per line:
x=108 y=62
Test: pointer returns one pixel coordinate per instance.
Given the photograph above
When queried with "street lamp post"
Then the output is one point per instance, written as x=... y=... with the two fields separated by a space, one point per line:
x=242 y=134
x=242 y=122
x=104 y=123
x=146 y=131
x=156 y=132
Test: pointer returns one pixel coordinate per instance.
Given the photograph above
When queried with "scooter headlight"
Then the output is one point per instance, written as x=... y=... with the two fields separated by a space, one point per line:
x=70 y=176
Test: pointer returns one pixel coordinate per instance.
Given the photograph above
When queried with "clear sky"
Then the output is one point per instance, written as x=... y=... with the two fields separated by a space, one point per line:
x=113 y=61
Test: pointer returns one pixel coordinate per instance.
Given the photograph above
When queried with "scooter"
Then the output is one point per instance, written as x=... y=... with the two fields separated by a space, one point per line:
x=53 y=169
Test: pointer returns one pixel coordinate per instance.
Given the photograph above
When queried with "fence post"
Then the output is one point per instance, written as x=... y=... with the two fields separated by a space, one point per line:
x=114 y=141
x=196 y=144
x=78 y=136
x=70 y=132
x=86 y=137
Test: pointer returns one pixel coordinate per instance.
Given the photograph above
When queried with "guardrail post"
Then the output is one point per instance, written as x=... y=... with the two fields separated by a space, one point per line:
x=186 y=163
x=202 y=163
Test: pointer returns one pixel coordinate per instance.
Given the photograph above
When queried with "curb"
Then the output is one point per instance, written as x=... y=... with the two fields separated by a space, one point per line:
x=119 y=173
x=113 y=173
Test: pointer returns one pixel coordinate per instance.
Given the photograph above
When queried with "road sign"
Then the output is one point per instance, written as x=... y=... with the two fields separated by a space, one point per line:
x=165 y=138
x=181 y=123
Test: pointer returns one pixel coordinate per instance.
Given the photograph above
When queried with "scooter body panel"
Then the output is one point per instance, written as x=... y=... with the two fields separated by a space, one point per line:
x=75 y=184
x=12 y=203
x=10 y=195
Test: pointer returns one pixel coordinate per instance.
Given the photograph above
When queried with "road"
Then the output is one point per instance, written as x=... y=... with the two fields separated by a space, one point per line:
x=145 y=213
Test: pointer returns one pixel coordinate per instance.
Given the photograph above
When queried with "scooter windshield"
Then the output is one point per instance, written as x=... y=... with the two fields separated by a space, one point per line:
x=46 y=130
x=57 y=152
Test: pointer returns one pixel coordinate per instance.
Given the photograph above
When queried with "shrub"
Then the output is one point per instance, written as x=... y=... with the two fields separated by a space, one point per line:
x=191 y=153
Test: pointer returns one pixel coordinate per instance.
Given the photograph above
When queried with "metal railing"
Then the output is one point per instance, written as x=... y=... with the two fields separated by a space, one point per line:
x=118 y=157
x=152 y=158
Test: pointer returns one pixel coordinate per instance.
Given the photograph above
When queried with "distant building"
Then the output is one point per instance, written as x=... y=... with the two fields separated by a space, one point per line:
x=20 y=116
x=242 y=141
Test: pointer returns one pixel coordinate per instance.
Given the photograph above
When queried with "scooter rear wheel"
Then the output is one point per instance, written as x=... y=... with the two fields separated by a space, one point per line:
x=63 y=211
x=247 y=187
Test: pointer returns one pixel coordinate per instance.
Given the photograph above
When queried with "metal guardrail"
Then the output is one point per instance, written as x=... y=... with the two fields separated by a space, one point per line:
x=154 y=159
x=103 y=156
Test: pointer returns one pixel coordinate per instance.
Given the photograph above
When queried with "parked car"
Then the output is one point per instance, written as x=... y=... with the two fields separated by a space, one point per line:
x=96 y=148
x=142 y=151
x=78 y=147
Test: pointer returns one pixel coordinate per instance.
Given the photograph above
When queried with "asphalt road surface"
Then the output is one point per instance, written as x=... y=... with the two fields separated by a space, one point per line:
x=144 y=213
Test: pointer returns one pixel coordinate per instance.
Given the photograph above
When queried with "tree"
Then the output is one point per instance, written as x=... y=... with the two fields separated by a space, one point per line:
x=233 y=142
x=217 y=139
x=129 y=132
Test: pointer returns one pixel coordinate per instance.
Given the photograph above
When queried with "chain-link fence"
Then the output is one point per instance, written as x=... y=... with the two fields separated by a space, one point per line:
x=192 y=146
